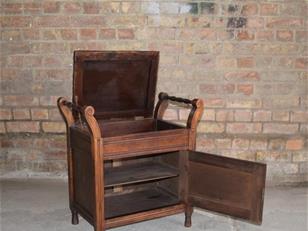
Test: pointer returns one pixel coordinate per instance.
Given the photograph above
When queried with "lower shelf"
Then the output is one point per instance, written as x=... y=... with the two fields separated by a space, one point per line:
x=140 y=201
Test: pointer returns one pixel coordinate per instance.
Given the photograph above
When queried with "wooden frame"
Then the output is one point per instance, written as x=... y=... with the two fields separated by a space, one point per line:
x=123 y=170
x=81 y=122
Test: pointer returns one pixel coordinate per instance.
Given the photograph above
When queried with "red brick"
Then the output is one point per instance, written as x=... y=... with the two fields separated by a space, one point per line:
x=284 y=22
x=91 y=7
x=2 y=128
x=205 y=143
x=265 y=35
x=214 y=103
x=167 y=47
x=273 y=156
x=39 y=114
x=295 y=144
x=279 y=128
x=245 y=62
x=87 y=34
x=51 y=6
x=244 y=103
x=299 y=116
x=126 y=34
x=224 y=115
x=217 y=89
x=49 y=35
x=107 y=34
x=87 y=21
x=208 y=115
x=48 y=100
x=110 y=7
x=11 y=35
x=13 y=61
x=246 y=89
x=68 y=34
x=15 y=21
x=21 y=114
x=242 y=76
x=54 y=114
x=20 y=100
x=223 y=143
x=242 y=115
x=211 y=127
x=281 y=116
x=183 y=114
x=23 y=126
x=262 y=116
x=241 y=128
x=255 y=23
x=52 y=74
x=33 y=61
x=130 y=7
x=32 y=8
x=52 y=21
x=72 y=8
x=239 y=143
x=258 y=144
x=285 y=35
x=224 y=62
x=301 y=63
x=269 y=9
x=53 y=127
x=277 y=144
x=245 y=35
x=11 y=8
x=250 y=9
x=301 y=36
x=171 y=114
x=206 y=34
x=5 y=114
x=54 y=48
x=31 y=34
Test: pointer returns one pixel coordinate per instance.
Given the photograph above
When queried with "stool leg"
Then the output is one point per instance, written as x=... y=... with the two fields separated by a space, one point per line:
x=75 y=219
x=188 y=213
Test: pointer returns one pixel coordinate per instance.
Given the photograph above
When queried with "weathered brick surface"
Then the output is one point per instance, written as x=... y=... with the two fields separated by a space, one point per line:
x=246 y=59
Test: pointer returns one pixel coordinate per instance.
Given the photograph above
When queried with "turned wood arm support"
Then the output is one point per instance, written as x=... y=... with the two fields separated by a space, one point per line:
x=194 y=115
x=73 y=114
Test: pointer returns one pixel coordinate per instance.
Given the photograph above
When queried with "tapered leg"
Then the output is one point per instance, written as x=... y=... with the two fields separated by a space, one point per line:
x=188 y=213
x=75 y=219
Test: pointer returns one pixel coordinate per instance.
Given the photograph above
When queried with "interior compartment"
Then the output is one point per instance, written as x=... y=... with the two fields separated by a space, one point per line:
x=141 y=184
x=112 y=128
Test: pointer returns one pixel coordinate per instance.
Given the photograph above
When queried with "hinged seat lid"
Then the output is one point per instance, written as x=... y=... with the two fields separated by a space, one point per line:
x=116 y=83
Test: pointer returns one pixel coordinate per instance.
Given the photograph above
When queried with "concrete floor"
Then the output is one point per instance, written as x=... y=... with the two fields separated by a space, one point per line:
x=41 y=205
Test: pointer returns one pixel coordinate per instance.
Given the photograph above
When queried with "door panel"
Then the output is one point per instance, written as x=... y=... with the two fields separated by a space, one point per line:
x=227 y=185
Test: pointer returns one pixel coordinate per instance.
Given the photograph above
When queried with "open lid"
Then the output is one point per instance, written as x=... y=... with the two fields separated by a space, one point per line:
x=116 y=83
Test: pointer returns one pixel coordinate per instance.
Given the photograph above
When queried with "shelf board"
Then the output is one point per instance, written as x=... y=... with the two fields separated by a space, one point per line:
x=137 y=173
x=139 y=201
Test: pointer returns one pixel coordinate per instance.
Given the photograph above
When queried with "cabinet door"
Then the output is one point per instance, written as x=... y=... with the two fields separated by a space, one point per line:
x=227 y=185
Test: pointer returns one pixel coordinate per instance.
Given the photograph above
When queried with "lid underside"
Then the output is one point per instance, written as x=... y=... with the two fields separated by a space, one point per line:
x=117 y=84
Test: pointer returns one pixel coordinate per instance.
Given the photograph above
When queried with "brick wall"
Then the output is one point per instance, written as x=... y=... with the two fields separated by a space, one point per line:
x=246 y=58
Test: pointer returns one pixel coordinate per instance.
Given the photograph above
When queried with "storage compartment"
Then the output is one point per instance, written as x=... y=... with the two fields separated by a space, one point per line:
x=111 y=128
x=141 y=184
x=139 y=201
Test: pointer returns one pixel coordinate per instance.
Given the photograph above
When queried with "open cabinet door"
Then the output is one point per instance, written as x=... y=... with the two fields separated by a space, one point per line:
x=227 y=185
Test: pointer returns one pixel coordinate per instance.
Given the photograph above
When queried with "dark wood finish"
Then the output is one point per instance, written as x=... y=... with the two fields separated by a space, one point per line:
x=125 y=204
x=230 y=186
x=109 y=191
x=144 y=216
x=137 y=173
x=117 y=84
